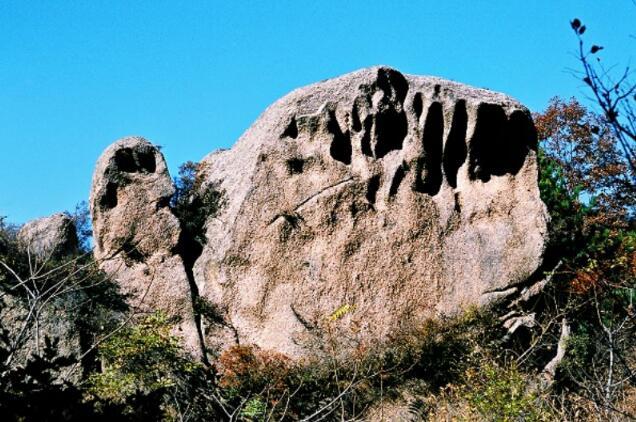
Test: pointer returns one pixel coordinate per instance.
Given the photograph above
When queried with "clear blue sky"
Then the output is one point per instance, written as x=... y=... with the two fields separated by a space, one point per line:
x=192 y=76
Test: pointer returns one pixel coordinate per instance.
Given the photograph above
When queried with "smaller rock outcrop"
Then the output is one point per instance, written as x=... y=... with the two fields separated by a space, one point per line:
x=44 y=317
x=52 y=236
x=137 y=237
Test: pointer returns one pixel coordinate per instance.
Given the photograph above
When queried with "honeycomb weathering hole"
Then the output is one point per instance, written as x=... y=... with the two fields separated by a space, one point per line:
x=295 y=165
x=365 y=142
x=429 y=178
x=521 y=128
x=132 y=253
x=135 y=161
x=146 y=161
x=372 y=188
x=455 y=149
x=340 y=148
x=109 y=198
x=393 y=84
x=356 y=125
x=391 y=127
x=418 y=106
x=291 y=131
x=500 y=144
x=125 y=161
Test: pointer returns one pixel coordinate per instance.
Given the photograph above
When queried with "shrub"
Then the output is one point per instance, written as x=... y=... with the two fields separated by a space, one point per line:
x=491 y=392
x=140 y=361
x=193 y=203
x=430 y=356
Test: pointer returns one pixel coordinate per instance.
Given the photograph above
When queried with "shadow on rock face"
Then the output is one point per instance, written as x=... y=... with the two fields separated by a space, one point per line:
x=500 y=143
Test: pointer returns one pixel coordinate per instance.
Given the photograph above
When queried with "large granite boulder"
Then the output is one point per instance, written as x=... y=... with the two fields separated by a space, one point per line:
x=49 y=237
x=354 y=208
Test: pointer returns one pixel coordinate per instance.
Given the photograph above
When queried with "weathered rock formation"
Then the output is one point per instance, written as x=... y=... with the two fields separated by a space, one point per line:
x=49 y=237
x=353 y=208
x=137 y=236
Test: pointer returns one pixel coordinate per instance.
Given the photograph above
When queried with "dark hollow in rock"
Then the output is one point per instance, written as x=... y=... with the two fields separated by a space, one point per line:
x=488 y=139
x=132 y=253
x=390 y=130
x=393 y=84
x=295 y=165
x=291 y=131
x=136 y=161
x=458 y=206
x=372 y=188
x=429 y=176
x=163 y=202
x=520 y=128
x=365 y=142
x=391 y=127
x=455 y=149
x=109 y=199
x=418 y=106
x=146 y=161
x=356 y=125
x=291 y=223
x=340 y=148
x=124 y=160
x=499 y=145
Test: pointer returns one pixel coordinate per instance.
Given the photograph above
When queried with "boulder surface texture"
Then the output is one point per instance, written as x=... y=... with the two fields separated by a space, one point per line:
x=353 y=208
x=49 y=237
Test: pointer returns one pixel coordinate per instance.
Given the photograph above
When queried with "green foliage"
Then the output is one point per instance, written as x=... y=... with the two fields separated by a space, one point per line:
x=37 y=380
x=489 y=391
x=82 y=219
x=147 y=376
x=142 y=358
x=254 y=409
x=566 y=212
x=502 y=394
x=194 y=203
x=429 y=356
